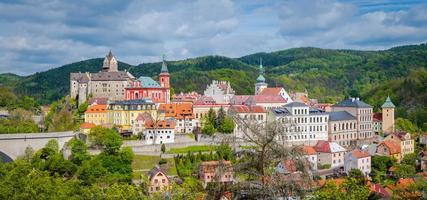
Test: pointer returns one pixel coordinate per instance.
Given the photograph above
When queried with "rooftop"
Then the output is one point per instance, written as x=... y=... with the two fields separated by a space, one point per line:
x=352 y=102
x=148 y=82
x=271 y=91
x=132 y=102
x=388 y=103
x=328 y=147
x=360 y=154
x=97 y=108
x=247 y=109
x=340 y=116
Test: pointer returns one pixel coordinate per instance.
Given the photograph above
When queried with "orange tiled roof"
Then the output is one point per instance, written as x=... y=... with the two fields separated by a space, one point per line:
x=392 y=146
x=98 y=108
x=178 y=110
x=271 y=91
x=165 y=124
x=210 y=166
x=87 y=125
x=360 y=154
x=309 y=150
x=269 y=99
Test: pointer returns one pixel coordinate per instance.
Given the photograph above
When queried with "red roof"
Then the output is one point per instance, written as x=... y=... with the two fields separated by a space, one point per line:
x=309 y=150
x=205 y=100
x=377 y=188
x=99 y=100
x=269 y=99
x=290 y=165
x=240 y=99
x=143 y=117
x=162 y=124
x=360 y=154
x=247 y=109
x=97 y=109
x=322 y=146
x=87 y=125
x=271 y=91
x=178 y=110
x=378 y=117
x=391 y=145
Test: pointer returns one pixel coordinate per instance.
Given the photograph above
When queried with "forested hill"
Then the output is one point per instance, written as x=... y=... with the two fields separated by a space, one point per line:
x=328 y=75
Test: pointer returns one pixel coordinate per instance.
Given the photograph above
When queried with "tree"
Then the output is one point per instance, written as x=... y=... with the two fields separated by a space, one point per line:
x=219 y=120
x=410 y=159
x=404 y=171
x=350 y=190
x=163 y=148
x=227 y=125
x=112 y=142
x=357 y=175
x=79 y=151
x=208 y=129
x=405 y=125
x=211 y=116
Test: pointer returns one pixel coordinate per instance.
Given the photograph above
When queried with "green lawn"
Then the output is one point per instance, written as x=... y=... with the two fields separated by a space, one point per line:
x=145 y=163
x=202 y=148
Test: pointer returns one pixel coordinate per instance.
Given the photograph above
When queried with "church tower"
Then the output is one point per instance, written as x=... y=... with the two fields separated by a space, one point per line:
x=260 y=81
x=388 y=116
x=110 y=63
x=165 y=79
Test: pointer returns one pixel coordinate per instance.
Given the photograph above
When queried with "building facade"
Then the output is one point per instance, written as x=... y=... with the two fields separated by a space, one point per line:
x=342 y=128
x=159 y=132
x=108 y=83
x=220 y=91
x=123 y=113
x=96 y=114
x=389 y=148
x=145 y=87
x=404 y=140
x=159 y=181
x=358 y=159
x=182 y=113
x=363 y=113
x=330 y=153
x=209 y=171
x=245 y=116
x=302 y=125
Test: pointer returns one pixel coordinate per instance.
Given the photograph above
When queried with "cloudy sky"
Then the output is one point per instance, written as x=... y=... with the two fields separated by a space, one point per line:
x=36 y=35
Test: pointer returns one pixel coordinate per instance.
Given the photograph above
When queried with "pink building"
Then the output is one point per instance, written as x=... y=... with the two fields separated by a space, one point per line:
x=158 y=180
x=209 y=171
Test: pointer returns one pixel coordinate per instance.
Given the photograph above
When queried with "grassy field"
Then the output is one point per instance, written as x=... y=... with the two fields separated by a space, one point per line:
x=183 y=150
x=142 y=164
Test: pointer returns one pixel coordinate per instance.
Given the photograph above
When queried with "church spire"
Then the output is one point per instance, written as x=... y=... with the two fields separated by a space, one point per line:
x=164 y=66
x=261 y=78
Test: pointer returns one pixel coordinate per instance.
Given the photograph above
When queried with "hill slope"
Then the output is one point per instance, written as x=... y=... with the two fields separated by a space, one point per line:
x=328 y=75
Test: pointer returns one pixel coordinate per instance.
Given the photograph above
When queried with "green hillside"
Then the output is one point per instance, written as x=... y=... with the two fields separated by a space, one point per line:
x=328 y=75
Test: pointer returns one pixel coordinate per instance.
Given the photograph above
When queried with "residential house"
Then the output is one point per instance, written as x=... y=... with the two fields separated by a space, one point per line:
x=423 y=139
x=96 y=114
x=377 y=123
x=159 y=132
x=186 y=97
x=330 y=153
x=202 y=106
x=311 y=155
x=182 y=113
x=138 y=126
x=85 y=127
x=389 y=148
x=342 y=128
x=302 y=125
x=216 y=171
x=159 y=181
x=358 y=159
x=404 y=140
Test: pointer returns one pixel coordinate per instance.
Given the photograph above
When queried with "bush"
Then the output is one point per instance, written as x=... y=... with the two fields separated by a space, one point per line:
x=163 y=161
x=325 y=166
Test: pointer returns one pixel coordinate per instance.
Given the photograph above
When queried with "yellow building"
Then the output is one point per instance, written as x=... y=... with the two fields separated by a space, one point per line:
x=404 y=140
x=96 y=114
x=122 y=114
x=388 y=116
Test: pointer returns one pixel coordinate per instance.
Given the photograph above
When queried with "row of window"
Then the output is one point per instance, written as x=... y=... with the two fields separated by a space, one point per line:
x=345 y=126
x=305 y=129
x=301 y=120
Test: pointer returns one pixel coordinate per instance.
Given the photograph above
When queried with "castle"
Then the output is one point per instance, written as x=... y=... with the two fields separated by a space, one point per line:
x=108 y=83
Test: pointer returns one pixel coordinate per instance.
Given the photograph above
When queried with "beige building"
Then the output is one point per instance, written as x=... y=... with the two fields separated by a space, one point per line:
x=108 y=83
x=388 y=116
x=247 y=116
x=123 y=114
x=216 y=172
x=389 y=148
x=96 y=114
x=220 y=91
x=363 y=113
x=342 y=128
x=404 y=140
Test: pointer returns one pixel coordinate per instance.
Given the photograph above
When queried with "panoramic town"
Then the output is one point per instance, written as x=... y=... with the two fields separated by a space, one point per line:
x=300 y=123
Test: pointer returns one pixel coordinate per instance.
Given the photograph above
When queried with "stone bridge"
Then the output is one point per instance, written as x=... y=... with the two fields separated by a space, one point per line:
x=13 y=145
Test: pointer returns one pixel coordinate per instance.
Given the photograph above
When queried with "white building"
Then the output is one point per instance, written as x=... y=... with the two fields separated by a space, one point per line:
x=162 y=132
x=302 y=124
x=311 y=155
x=363 y=113
x=220 y=91
x=330 y=153
x=358 y=159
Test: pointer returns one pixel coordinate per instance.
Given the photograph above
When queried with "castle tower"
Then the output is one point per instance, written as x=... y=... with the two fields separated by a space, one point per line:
x=260 y=81
x=388 y=116
x=110 y=63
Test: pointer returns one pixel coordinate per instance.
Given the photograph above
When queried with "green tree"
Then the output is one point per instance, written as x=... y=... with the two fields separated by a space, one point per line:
x=208 y=129
x=219 y=119
x=228 y=125
x=350 y=190
x=211 y=116
x=357 y=175
x=79 y=151
x=405 y=125
x=404 y=171
x=163 y=148
x=410 y=159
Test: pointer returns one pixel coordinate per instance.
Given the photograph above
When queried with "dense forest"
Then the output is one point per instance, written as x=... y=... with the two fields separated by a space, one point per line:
x=328 y=75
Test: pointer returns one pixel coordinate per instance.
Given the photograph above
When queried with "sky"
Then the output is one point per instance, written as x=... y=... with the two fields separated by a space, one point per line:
x=36 y=35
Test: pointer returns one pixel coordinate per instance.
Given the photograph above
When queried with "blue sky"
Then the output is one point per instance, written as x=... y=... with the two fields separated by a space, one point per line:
x=37 y=35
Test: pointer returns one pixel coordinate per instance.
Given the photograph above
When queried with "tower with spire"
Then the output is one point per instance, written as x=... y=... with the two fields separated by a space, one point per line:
x=165 y=78
x=260 y=81
x=110 y=63
x=388 y=116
